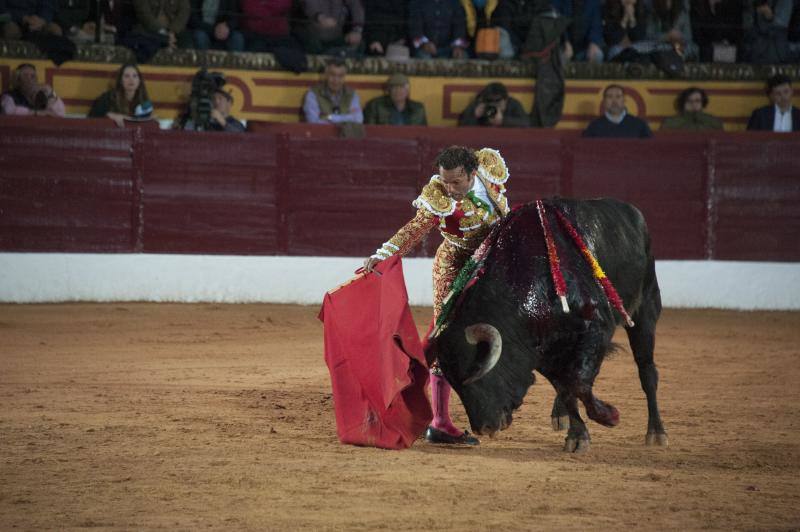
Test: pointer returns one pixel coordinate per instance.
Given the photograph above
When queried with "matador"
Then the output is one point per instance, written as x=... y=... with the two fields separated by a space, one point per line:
x=464 y=200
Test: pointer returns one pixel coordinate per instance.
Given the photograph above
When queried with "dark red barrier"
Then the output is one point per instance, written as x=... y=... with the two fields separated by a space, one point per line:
x=297 y=189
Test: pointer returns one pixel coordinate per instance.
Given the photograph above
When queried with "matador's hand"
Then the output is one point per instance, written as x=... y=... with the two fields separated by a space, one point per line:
x=369 y=264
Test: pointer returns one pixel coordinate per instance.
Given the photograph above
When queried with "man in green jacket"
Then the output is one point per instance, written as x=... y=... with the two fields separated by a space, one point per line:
x=690 y=104
x=395 y=108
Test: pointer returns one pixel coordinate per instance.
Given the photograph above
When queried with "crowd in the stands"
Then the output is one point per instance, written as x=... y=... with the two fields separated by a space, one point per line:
x=753 y=31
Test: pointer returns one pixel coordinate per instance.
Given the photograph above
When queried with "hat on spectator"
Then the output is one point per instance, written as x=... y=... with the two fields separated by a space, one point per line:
x=397 y=79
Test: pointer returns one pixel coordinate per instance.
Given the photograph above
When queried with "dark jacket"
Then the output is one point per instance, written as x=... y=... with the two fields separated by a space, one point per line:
x=45 y=9
x=630 y=127
x=516 y=17
x=441 y=21
x=174 y=19
x=587 y=25
x=73 y=13
x=385 y=21
x=514 y=116
x=763 y=119
x=228 y=11
x=379 y=111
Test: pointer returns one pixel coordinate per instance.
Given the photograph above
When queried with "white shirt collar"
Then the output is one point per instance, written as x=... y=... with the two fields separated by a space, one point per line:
x=783 y=121
x=619 y=119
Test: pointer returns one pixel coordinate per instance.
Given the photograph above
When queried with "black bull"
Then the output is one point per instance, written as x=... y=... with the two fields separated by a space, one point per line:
x=510 y=322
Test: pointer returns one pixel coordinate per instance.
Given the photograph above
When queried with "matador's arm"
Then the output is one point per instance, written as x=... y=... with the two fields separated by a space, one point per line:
x=408 y=236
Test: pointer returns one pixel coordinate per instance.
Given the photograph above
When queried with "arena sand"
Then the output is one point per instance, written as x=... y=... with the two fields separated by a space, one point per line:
x=188 y=417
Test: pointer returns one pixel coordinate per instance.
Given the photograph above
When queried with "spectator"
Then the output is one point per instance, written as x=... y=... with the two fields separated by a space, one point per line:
x=331 y=27
x=265 y=24
x=159 y=23
x=437 y=28
x=72 y=17
x=395 y=108
x=127 y=100
x=385 y=24
x=766 y=32
x=479 y=17
x=616 y=122
x=332 y=101
x=214 y=24
x=29 y=18
x=516 y=17
x=781 y=116
x=28 y=97
x=220 y=118
x=494 y=107
x=625 y=24
x=716 y=22
x=585 y=35
x=690 y=104
x=668 y=26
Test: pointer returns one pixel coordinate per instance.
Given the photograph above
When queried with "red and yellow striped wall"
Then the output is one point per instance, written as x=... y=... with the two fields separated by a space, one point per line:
x=277 y=96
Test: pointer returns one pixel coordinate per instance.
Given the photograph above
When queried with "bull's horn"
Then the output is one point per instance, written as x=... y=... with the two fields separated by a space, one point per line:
x=483 y=332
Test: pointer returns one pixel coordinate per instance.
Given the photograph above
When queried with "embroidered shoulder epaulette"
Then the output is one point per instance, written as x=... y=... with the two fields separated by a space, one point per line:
x=492 y=167
x=434 y=199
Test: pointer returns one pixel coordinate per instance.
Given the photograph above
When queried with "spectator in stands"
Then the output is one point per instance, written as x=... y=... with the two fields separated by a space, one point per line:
x=220 y=118
x=395 y=108
x=616 y=122
x=214 y=24
x=781 y=116
x=690 y=104
x=668 y=26
x=479 y=15
x=331 y=27
x=127 y=100
x=437 y=28
x=495 y=108
x=716 y=22
x=385 y=24
x=332 y=101
x=159 y=23
x=584 y=40
x=766 y=26
x=28 y=97
x=72 y=16
x=516 y=17
x=265 y=24
x=624 y=25
x=29 y=18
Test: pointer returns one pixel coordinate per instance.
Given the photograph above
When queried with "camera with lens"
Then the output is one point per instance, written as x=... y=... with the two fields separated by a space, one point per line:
x=201 y=99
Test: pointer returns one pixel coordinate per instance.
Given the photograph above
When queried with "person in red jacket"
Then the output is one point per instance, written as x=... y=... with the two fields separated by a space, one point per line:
x=265 y=24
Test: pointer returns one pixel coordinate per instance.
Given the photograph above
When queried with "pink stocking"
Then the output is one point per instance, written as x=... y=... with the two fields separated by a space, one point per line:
x=440 y=401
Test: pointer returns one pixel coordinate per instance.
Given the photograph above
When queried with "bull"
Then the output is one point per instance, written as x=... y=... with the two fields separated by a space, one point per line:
x=509 y=323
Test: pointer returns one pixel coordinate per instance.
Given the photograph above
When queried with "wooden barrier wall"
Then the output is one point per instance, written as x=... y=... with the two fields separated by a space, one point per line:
x=82 y=186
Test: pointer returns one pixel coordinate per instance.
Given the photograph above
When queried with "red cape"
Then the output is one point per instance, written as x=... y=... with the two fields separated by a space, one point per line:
x=373 y=352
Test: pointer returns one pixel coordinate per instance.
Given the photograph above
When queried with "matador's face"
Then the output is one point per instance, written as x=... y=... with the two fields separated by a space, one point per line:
x=457 y=182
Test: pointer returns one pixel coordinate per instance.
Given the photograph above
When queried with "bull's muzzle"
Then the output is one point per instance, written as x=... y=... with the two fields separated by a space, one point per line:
x=489 y=336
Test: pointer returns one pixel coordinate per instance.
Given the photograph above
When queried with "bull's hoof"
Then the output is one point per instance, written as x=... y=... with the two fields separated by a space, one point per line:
x=560 y=422
x=658 y=439
x=576 y=445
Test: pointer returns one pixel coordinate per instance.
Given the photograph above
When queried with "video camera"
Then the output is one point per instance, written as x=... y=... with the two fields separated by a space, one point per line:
x=201 y=99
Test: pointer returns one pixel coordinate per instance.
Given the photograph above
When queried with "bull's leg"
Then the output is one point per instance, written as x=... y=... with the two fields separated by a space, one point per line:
x=577 y=440
x=559 y=416
x=642 y=339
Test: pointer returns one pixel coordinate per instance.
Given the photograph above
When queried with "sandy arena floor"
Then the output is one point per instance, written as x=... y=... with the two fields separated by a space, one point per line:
x=147 y=416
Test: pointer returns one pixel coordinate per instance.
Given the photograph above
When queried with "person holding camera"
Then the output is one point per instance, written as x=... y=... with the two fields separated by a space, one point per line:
x=493 y=107
x=28 y=97
x=220 y=118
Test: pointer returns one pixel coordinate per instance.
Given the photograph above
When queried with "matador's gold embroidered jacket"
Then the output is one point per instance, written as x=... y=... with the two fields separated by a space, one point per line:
x=463 y=224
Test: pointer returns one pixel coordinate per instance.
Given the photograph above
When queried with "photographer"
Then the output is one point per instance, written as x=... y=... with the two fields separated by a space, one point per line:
x=30 y=98
x=495 y=108
x=220 y=118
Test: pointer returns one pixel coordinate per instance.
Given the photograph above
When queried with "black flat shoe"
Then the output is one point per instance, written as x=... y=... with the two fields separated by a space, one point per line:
x=433 y=435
